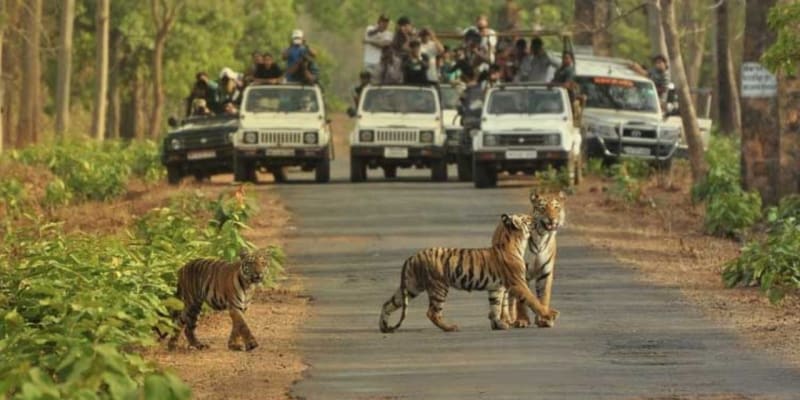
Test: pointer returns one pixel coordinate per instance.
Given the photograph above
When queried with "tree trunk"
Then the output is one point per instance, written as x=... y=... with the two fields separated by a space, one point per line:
x=789 y=157
x=655 y=31
x=760 y=144
x=64 y=67
x=138 y=104
x=601 y=40
x=116 y=60
x=2 y=81
x=727 y=94
x=28 y=130
x=158 y=89
x=101 y=71
x=584 y=22
x=685 y=103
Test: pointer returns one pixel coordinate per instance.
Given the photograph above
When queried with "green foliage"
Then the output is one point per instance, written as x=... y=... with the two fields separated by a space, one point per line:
x=626 y=186
x=552 y=180
x=12 y=196
x=595 y=167
x=75 y=307
x=723 y=169
x=783 y=55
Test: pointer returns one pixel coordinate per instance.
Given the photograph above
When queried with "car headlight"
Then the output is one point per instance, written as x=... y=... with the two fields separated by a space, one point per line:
x=670 y=134
x=366 y=136
x=310 y=137
x=426 y=136
x=552 y=140
x=250 y=137
x=602 y=130
x=489 y=140
x=175 y=143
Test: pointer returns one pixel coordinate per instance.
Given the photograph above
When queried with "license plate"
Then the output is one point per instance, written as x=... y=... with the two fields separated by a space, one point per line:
x=520 y=154
x=280 y=152
x=395 y=152
x=636 y=151
x=201 y=155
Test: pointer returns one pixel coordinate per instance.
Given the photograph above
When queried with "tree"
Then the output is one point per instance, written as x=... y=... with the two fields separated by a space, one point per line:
x=101 y=70
x=164 y=14
x=3 y=24
x=760 y=143
x=591 y=25
x=729 y=113
x=64 y=67
x=655 y=30
x=688 y=115
x=30 y=92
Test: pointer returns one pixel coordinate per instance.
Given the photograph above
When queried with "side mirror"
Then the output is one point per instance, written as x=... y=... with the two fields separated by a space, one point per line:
x=172 y=122
x=351 y=112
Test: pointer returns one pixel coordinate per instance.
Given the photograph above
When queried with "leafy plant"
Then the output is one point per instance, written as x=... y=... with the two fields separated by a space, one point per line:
x=730 y=214
x=552 y=180
x=625 y=186
x=12 y=196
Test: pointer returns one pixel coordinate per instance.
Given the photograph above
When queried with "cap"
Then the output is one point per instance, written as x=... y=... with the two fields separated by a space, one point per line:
x=227 y=72
x=297 y=34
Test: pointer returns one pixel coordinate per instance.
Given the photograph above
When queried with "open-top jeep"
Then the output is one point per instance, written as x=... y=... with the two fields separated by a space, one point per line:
x=397 y=127
x=525 y=128
x=199 y=146
x=622 y=115
x=282 y=126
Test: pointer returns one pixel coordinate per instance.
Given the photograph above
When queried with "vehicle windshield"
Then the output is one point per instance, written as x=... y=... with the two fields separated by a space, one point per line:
x=619 y=94
x=449 y=98
x=276 y=99
x=525 y=101
x=404 y=101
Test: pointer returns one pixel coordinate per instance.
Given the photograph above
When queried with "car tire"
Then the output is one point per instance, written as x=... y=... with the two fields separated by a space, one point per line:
x=243 y=171
x=483 y=175
x=439 y=170
x=390 y=171
x=358 y=170
x=278 y=174
x=464 y=166
x=322 y=173
x=174 y=175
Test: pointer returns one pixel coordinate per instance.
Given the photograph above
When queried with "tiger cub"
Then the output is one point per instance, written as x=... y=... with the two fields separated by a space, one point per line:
x=548 y=215
x=436 y=270
x=223 y=286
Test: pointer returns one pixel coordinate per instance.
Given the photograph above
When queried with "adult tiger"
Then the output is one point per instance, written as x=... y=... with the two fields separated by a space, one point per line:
x=548 y=215
x=494 y=269
x=223 y=286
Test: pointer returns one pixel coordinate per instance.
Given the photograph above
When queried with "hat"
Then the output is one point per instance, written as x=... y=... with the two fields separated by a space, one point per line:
x=227 y=72
x=297 y=34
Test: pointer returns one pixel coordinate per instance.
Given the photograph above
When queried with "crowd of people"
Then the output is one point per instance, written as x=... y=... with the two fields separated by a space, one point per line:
x=223 y=96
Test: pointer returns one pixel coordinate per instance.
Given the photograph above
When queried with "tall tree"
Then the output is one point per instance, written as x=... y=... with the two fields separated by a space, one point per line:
x=655 y=30
x=101 y=70
x=760 y=144
x=688 y=115
x=3 y=24
x=64 y=66
x=728 y=111
x=591 y=25
x=164 y=14
x=30 y=92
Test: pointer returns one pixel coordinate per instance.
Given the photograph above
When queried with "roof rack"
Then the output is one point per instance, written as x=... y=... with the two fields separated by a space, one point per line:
x=514 y=33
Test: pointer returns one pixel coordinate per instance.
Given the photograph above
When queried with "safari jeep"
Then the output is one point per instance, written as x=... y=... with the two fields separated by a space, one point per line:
x=199 y=147
x=397 y=127
x=282 y=126
x=525 y=128
x=622 y=116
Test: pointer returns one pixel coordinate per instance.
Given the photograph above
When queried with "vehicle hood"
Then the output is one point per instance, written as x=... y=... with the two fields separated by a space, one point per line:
x=409 y=121
x=222 y=128
x=523 y=123
x=305 y=121
x=608 y=117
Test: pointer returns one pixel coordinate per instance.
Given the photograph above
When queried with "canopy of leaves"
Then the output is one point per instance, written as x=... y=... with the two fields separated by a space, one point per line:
x=784 y=54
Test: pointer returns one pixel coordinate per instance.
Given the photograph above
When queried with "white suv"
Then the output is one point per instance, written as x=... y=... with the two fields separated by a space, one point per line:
x=525 y=128
x=622 y=114
x=282 y=126
x=397 y=127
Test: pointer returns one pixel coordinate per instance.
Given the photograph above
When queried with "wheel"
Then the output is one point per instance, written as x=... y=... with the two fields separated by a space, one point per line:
x=484 y=175
x=358 y=170
x=322 y=173
x=439 y=170
x=241 y=170
x=199 y=176
x=278 y=174
x=174 y=175
x=464 y=166
x=390 y=171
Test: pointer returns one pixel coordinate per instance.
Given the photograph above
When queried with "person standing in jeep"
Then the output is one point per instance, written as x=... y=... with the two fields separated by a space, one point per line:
x=376 y=38
x=659 y=74
x=416 y=65
x=300 y=66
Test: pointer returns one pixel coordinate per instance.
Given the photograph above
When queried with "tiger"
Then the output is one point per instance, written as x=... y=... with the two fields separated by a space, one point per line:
x=222 y=285
x=548 y=215
x=497 y=269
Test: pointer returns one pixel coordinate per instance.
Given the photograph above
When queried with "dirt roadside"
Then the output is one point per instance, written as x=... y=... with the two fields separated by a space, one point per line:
x=666 y=244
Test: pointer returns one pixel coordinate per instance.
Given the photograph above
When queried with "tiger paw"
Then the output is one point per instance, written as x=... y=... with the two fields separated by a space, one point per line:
x=522 y=323
x=235 y=347
x=451 y=328
x=250 y=345
x=199 y=345
x=499 y=325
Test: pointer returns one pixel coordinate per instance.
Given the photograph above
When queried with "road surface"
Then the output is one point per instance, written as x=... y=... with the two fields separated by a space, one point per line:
x=616 y=337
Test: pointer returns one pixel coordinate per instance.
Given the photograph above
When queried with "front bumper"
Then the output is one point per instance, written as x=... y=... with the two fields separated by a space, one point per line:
x=388 y=155
x=646 y=150
x=507 y=160
x=283 y=156
x=208 y=160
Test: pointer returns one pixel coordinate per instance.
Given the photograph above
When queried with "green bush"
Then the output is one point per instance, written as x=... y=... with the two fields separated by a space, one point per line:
x=553 y=180
x=12 y=196
x=626 y=186
x=75 y=307
x=723 y=169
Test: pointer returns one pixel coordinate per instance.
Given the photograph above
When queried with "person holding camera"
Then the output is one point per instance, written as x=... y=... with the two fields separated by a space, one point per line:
x=300 y=65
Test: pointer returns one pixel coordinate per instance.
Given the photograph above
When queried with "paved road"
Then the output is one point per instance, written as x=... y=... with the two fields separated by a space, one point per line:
x=616 y=338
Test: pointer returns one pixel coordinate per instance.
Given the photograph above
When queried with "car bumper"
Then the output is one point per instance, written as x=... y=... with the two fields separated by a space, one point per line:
x=397 y=154
x=199 y=159
x=282 y=156
x=614 y=148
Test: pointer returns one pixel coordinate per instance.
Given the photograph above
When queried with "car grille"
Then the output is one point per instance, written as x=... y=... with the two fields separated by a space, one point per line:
x=281 y=137
x=200 y=140
x=522 y=140
x=639 y=133
x=396 y=136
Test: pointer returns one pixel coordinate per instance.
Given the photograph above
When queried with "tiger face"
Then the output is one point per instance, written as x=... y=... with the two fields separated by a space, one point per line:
x=254 y=264
x=548 y=211
x=517 y=224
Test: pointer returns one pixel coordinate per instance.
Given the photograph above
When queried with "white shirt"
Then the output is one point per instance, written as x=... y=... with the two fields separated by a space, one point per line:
x=488 y=42
x=372 y=53
x=430 y=49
